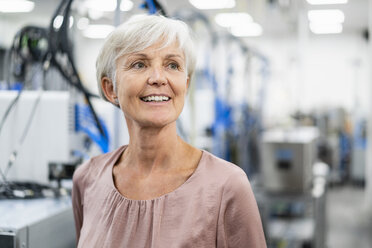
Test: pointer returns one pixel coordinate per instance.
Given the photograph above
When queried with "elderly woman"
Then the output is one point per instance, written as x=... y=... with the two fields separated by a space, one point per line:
x=158 y=191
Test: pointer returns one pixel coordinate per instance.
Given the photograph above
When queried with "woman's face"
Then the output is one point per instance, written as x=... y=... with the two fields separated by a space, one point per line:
x=152 y=84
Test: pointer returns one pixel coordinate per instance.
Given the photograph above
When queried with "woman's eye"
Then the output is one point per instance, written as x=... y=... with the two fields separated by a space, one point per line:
x=173 y=66
x=138 y=65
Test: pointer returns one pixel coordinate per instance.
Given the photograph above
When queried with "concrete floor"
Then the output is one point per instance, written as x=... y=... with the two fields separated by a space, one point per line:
x=348 y=224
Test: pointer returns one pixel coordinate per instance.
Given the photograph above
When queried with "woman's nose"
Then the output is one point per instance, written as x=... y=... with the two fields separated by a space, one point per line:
x=157 y=76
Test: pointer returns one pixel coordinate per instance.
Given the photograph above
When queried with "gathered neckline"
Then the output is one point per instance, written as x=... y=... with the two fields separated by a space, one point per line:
x=112 y=184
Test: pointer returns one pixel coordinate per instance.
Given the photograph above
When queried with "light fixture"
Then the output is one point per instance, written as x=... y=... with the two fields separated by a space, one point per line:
x=232 y=19
x=108 y=5
x=95 y=14
x=251 y=29
x=323 y=2
x=98 y=31
x=16 y=6
x=326 y=21
x=82 y=23
x=213 y=4
x=326 y=16
x=326 y=28
x=57 y=23
x=126 y=5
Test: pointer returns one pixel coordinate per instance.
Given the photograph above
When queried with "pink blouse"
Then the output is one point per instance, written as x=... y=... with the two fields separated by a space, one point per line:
x=215 y=207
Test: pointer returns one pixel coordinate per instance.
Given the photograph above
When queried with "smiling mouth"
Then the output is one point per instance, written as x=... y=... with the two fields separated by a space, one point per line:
x=155 y=99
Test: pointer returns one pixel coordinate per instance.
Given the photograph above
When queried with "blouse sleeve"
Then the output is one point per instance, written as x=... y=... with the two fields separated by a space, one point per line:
x=239 y=223
x=78 y=198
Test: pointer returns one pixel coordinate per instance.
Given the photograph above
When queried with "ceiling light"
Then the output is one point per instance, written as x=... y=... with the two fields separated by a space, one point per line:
x=126 y=5
x=98 y=31
x=57 y=23
x=329 y=16
x=213 y=4
x=326 y=28
x=95 y=14
x=16 y=6
x=247 y=30
x=323 y=2
x=83 y=23
x=232 y=19
x=108 y=5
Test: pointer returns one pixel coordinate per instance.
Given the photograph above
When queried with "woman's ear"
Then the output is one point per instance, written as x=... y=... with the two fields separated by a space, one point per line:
x=188 y=82
x=108 y=90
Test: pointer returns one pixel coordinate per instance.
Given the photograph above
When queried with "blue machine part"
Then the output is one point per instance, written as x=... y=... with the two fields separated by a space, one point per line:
x=223 y=116
x=151 y=7
x=360 y=137
x=284 y=154
x=222 y=123
x=16 y=86
x=84 y=122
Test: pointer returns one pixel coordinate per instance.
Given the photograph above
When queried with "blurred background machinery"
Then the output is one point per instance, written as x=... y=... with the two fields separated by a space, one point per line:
x=36 y=223
x=288 y=157
x=293 y=188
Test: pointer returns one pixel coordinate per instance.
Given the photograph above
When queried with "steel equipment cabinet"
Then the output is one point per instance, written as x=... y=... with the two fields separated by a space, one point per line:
x=37 y=223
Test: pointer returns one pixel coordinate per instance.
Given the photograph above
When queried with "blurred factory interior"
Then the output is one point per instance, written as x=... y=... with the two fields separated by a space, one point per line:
x=282 y=89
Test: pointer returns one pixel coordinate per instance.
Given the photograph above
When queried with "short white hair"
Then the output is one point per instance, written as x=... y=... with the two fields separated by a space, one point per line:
x=139 y=33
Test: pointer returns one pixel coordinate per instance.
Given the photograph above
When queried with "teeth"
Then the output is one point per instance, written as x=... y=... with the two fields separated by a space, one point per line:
x=155 y=98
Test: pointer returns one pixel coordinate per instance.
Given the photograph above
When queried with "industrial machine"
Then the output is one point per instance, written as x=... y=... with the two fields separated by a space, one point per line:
x=37 y=223
x=287 y=159
x=293 y=189
x=39 y=132
x=49 y=138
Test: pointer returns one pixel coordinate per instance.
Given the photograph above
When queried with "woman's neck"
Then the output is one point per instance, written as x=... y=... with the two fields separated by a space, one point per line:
x=153 y=149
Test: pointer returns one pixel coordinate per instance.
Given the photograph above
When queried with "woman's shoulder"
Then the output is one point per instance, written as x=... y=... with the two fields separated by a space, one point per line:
x=229 y=179
x=95 y=166
x=222 y=173
x=219 y=166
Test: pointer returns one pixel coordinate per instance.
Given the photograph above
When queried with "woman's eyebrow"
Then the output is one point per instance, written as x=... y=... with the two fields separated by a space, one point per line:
x=142 y=55
x=168 y=56
x=145 y=56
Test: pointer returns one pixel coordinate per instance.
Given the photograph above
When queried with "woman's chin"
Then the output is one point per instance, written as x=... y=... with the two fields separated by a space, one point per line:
x=153 y=119
x=156 y=123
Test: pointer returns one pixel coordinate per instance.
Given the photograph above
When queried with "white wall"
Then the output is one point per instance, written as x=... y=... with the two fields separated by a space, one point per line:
x=86 y=52
x=330 y=71
x=11 y=24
